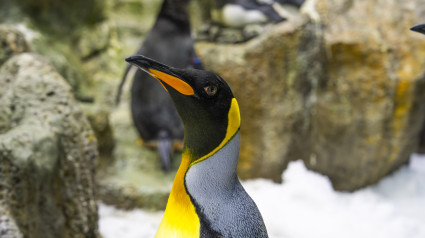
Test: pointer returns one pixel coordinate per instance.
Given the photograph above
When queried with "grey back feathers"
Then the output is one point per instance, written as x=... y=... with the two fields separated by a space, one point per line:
x=220 y=198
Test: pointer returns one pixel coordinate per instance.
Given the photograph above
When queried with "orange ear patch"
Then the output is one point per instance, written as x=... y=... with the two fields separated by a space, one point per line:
x=178 y=84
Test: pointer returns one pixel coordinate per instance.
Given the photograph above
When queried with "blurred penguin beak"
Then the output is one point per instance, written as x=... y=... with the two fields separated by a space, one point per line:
x=419 y=28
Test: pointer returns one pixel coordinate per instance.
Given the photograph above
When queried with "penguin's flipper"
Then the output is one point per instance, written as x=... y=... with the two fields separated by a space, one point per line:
x=124 y=77
x=165 y=146
x=419 y=28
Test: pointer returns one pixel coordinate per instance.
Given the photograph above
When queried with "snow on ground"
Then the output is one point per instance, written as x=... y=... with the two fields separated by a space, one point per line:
x=305 y=206
x=115 y=223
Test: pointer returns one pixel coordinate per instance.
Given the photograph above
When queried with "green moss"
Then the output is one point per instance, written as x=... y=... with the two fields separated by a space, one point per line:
x=63 y=16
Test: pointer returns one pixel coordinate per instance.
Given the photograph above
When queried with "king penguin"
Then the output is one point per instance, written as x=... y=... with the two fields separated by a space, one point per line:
x=207 y=198
x=153 y=113
x=238 y=13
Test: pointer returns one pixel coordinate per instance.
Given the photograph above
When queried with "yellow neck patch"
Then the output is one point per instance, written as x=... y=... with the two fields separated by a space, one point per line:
x=180 y=218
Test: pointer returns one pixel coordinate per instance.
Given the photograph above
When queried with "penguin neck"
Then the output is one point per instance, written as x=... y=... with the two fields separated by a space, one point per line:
x=198 y=153
x=180 y=218
x=203 y=140
x=215 y=172
x=202 y=173
x=198 y=178
x=175 y=11
x=195 y=158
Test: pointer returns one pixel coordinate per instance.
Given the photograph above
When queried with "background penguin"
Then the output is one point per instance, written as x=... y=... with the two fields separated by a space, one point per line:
x=207 y=199
x=153 y=113
x=238 y=13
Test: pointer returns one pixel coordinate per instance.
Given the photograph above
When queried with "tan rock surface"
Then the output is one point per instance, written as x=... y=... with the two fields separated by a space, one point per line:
x=271 y=76
x=341 y=88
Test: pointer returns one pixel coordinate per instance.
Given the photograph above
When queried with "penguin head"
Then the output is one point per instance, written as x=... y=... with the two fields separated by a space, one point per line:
x=204 y=101
x=176 y=12
x=419 y=28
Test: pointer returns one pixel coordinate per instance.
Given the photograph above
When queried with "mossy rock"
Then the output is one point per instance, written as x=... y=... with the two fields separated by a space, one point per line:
x=12 y=42
x=63 y=16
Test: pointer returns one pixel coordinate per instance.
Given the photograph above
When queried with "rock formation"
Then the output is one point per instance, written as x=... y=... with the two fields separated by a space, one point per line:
x=272 y=77
x=12 y=42
x=370 y=105
x=47 y=155
x=342 y=89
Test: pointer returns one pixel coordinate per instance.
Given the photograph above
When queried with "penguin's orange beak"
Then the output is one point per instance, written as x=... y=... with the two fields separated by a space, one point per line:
x=163 y=73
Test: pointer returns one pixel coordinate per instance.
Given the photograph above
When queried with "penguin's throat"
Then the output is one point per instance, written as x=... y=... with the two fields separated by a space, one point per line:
x=220 y=162
x=232 y=131
x=195 y=158
x=212 y=174
x=214 y=177
x=180 y=218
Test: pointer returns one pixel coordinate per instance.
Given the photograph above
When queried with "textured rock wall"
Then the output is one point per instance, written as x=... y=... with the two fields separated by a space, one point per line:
x=342 y=89
x=87 y=41
x=8 y=226
x=12 y=42
x=47 y=155
x=370 y=104
x=58 y=30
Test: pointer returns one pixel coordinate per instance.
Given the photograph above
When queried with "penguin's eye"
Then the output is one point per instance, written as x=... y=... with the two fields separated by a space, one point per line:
x=210 y=90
